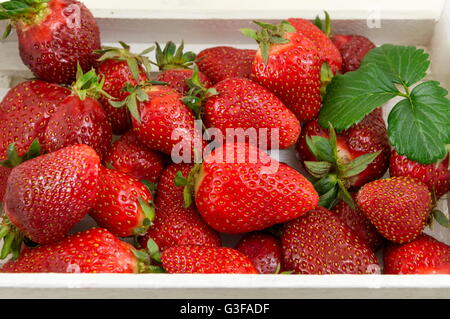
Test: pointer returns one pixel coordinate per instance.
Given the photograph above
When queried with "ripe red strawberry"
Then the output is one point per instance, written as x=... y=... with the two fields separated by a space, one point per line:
x=25 y=111
x=4 y=174
x=93 y=251
x=161 y=114
x=54 y=36
x=242 y=103
x=80 y=119
x=206 y=260
x=264 y=250
x=289 y=65
x=117 y=67
x=358 y=222
x=424 y=255
x=174 y=65
x=174 y=224
x=49 y=194
x=239 y=188
x=223 y=62
x=124 y=205
x=398 y=207
x=353 y=49
x=326 y=48
x=362 y=155
x=321 y=243
x=436 y=176
x=130 y=156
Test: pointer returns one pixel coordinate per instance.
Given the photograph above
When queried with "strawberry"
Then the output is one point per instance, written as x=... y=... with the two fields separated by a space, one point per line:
x=175 y=65
x=4 y=174
x=174 y=224
x=326 y=48
x=92 y=251
x=25 y=112
x=264 y=250
x=239 y=103
x=130 y=156
x=223 y=62
x=288 y=64
x=353 y=49
x=206 y=260
x=348 y=159
x=117 y=67
x=157 y=115
x=436 y=176
x=54 y=36
x=239 y=188
x=124 y=205
x=398 y=207
x=49 y=194
x=321 y=243
x=358 y=222
x=80 y=119
x=424 y=255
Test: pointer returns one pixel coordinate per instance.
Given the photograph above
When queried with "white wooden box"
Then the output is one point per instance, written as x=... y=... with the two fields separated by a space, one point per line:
x=201 y=24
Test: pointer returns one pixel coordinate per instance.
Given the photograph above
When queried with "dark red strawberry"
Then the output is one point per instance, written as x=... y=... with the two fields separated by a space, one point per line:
x=130 y=156
x=124 y=205
x=358 y=222
x=80 y=119
x=399 y=207
x=93 y=251
x=24 y=114
x=242 y=104
x=175 y=66
x=223 y=62
x=117 y=67
x=174 y=224
x=321 y=243
x=436 y=176
x=49 y=194
x=326 y=48
x=158 y=115
x=264 y=250
x=289 y=65
x=4 y=174
x=206 y=260
x=424 y=255
x=360 y=156
x=240 y=188
x=54 y=36
x=353 y=49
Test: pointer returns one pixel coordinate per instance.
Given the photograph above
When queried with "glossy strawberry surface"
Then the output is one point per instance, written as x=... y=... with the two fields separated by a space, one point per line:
x=92 y=251
x=176 y=79
x=66 y=35
x=353 y=49
x=223 y=62
x=46 y=196
x=206 y=260
x=244 y=104
x=241 y=189
x=321 y=243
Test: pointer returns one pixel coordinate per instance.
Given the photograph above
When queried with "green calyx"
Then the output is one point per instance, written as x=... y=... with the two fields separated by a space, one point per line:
x=171 y=57
x=148 y=208
x=14 y=159
x=12 y=239
x=268 y=34
x=89 y=84
x=436 y=214
x=133 y=60
x=23 y=12
x=326 y=75
x=149 y=259
x=188 y=183
x=197 y=94
x=331 y=175
x=325 y=26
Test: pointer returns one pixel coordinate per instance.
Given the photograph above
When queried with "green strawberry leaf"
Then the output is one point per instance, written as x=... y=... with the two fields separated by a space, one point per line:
x=419 y=126
x=350 y=97
x=403 y=65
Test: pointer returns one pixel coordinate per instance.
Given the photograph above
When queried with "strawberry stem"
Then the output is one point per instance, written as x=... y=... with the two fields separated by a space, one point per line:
x=173 y=58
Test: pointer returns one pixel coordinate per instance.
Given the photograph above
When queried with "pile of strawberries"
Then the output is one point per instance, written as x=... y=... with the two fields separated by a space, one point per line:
x=93 y=134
